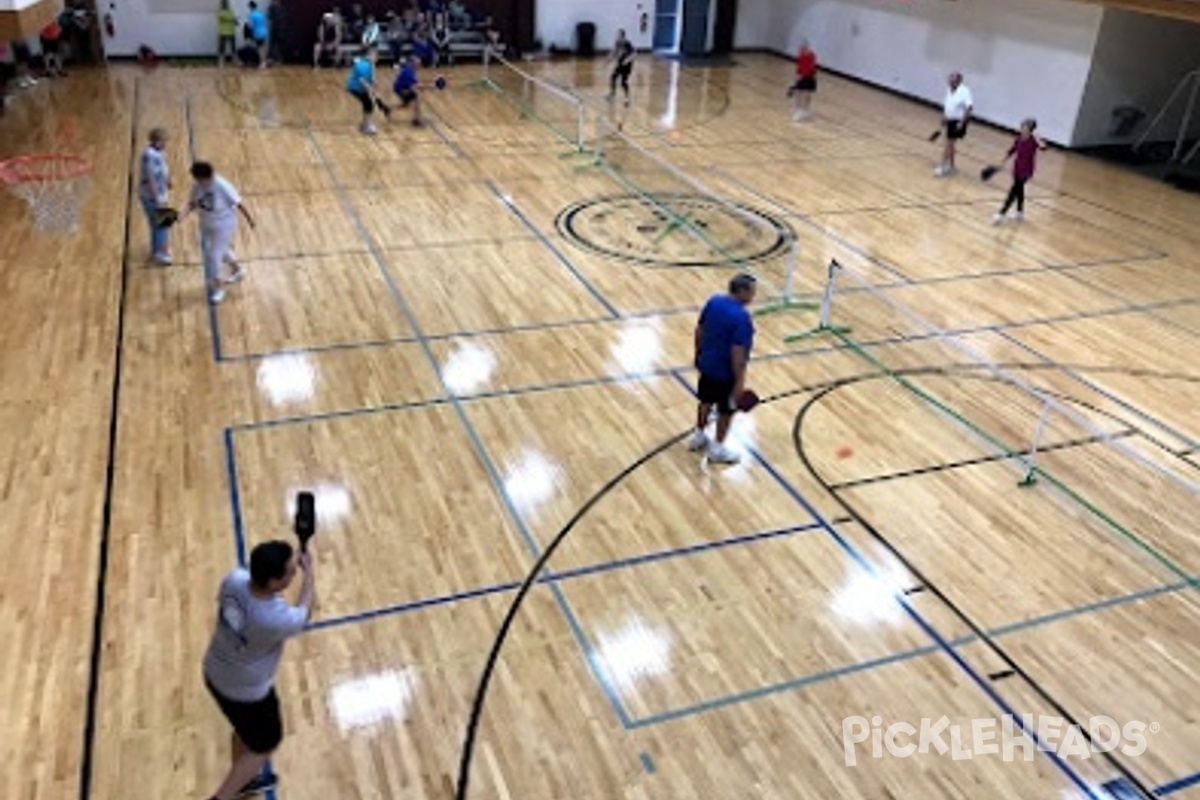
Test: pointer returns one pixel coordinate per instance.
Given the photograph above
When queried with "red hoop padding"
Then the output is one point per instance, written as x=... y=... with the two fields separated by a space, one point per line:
x=44 y=168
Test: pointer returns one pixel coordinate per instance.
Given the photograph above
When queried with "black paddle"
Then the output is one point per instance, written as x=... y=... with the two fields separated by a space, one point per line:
x=305 y=524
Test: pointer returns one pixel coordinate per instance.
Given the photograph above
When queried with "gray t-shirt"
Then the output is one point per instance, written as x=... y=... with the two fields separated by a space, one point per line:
x=246 y=646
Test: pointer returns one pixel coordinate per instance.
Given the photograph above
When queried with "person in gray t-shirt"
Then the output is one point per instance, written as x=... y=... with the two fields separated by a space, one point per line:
x=253 y=622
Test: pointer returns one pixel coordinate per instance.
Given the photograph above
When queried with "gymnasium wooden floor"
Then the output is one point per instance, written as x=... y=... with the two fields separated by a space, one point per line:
x=420 y=343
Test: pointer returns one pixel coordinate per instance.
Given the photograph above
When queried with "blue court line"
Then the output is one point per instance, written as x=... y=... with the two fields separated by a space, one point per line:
x=902 y=600
x=1123 y=404
x=446 y=140
x=666 y=371
x=565 y=575
x=1178 y=785
x=562 y=259
x=788 y=685
x=235 y=498
x=213 y=323
x=647 y=763
x=598 y=671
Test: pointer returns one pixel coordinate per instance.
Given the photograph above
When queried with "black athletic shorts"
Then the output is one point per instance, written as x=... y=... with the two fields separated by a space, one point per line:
x=719 y=393
x=368 y=105
x=407 y=96
x=258 y=724
x=955 y=129
x=808 y=84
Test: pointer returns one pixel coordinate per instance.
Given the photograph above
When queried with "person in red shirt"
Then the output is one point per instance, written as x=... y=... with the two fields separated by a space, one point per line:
x=51 y=38
x=1024 y=152
x=806 y=82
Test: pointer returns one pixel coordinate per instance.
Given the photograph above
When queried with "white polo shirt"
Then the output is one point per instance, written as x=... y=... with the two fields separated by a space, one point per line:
x=958 y=102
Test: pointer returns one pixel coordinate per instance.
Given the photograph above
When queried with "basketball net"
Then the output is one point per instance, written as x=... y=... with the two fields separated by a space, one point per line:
x=53 y=185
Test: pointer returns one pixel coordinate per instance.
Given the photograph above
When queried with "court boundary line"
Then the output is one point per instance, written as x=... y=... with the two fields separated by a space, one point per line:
x=87 y=759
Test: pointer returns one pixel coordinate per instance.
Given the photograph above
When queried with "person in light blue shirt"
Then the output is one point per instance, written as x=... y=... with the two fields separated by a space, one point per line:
x=724 y=338
x=361 y=84
x=259 y=32
x=154 y=185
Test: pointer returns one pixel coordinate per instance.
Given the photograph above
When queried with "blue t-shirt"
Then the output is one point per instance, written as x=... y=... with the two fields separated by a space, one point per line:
x=725 y=323
x=406 y=80
x=359 y=72
x=258 y=24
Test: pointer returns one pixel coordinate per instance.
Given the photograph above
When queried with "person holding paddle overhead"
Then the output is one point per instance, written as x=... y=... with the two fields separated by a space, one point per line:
x=253 y=622
x=724 y=337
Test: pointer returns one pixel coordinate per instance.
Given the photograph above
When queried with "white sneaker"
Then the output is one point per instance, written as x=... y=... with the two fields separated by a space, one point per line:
x=997 y=219
x=699 y=441
x=940 y=171
x=162 y=259
x=722 y=454
x=368 y=129
x=1019 y=216
x=237 y=276
x=217 y=296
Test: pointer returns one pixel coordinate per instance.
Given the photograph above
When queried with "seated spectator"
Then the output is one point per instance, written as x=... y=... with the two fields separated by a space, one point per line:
x=423 y=50
x=440 y=36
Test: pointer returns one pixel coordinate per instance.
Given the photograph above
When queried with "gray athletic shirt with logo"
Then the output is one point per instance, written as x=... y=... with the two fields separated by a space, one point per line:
x=246 y=647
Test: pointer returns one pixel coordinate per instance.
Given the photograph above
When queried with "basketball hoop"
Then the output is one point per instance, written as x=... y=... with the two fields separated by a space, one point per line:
x=53 y=184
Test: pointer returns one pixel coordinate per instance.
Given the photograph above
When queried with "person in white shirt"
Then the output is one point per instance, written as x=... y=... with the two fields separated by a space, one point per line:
x=956 y=116
x=154 y=185
x=218 y=203
x=253 y=622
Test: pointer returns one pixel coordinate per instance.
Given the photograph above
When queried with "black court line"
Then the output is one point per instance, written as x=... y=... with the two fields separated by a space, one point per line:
x=87 y=762
x=974 y=462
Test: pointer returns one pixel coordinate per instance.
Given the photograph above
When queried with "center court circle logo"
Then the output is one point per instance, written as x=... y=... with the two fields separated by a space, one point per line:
x=674 y=230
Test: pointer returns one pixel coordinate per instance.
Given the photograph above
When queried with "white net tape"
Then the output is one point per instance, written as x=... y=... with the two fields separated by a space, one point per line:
x=53 y=186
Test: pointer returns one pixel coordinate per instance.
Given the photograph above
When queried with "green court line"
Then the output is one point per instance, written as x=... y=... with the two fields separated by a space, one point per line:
x=1106 y=518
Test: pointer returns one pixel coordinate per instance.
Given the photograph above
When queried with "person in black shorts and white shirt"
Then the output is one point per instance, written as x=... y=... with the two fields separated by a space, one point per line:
x=253 y=622
x=622 y=58
x=956 y=116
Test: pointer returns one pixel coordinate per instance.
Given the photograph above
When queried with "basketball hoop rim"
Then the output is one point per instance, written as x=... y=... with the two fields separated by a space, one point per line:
x=33 y=169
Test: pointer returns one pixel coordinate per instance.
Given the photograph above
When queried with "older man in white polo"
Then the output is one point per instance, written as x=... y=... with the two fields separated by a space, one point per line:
x=956 y=116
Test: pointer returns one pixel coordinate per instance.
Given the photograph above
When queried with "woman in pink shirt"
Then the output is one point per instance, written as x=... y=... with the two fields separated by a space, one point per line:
x=1025 y=150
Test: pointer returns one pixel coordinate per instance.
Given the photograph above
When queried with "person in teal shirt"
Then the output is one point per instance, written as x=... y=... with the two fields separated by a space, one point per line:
x=361 y=84
x=257 y=22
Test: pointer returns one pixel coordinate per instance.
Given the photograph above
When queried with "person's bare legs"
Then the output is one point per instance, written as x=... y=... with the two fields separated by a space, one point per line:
x=245 y=765
x=702 y=413
x=723 y=423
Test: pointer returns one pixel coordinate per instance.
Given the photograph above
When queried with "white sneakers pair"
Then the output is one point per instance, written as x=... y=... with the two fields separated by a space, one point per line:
x=717 y=451
x=999 y=219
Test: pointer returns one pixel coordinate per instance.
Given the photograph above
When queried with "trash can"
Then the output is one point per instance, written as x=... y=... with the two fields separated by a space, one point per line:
x=585 y=39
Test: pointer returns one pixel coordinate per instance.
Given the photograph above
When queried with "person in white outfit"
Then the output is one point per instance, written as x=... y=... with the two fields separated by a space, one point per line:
x=218 y=203
x=956 y=116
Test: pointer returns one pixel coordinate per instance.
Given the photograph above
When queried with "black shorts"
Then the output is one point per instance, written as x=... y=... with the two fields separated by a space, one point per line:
x=49 y=46
x=407 y=96
x=623 y=71
x=258 y=724
x=955 y=129
x=808 y=84
x=226 y=44
x=368 y=105
x=719 y=393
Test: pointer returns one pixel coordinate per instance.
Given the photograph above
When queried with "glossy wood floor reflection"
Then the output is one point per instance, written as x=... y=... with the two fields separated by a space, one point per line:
x=425 y=341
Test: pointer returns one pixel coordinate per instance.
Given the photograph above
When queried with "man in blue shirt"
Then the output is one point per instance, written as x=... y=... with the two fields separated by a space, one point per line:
x=724 y=337
x=405 y=87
